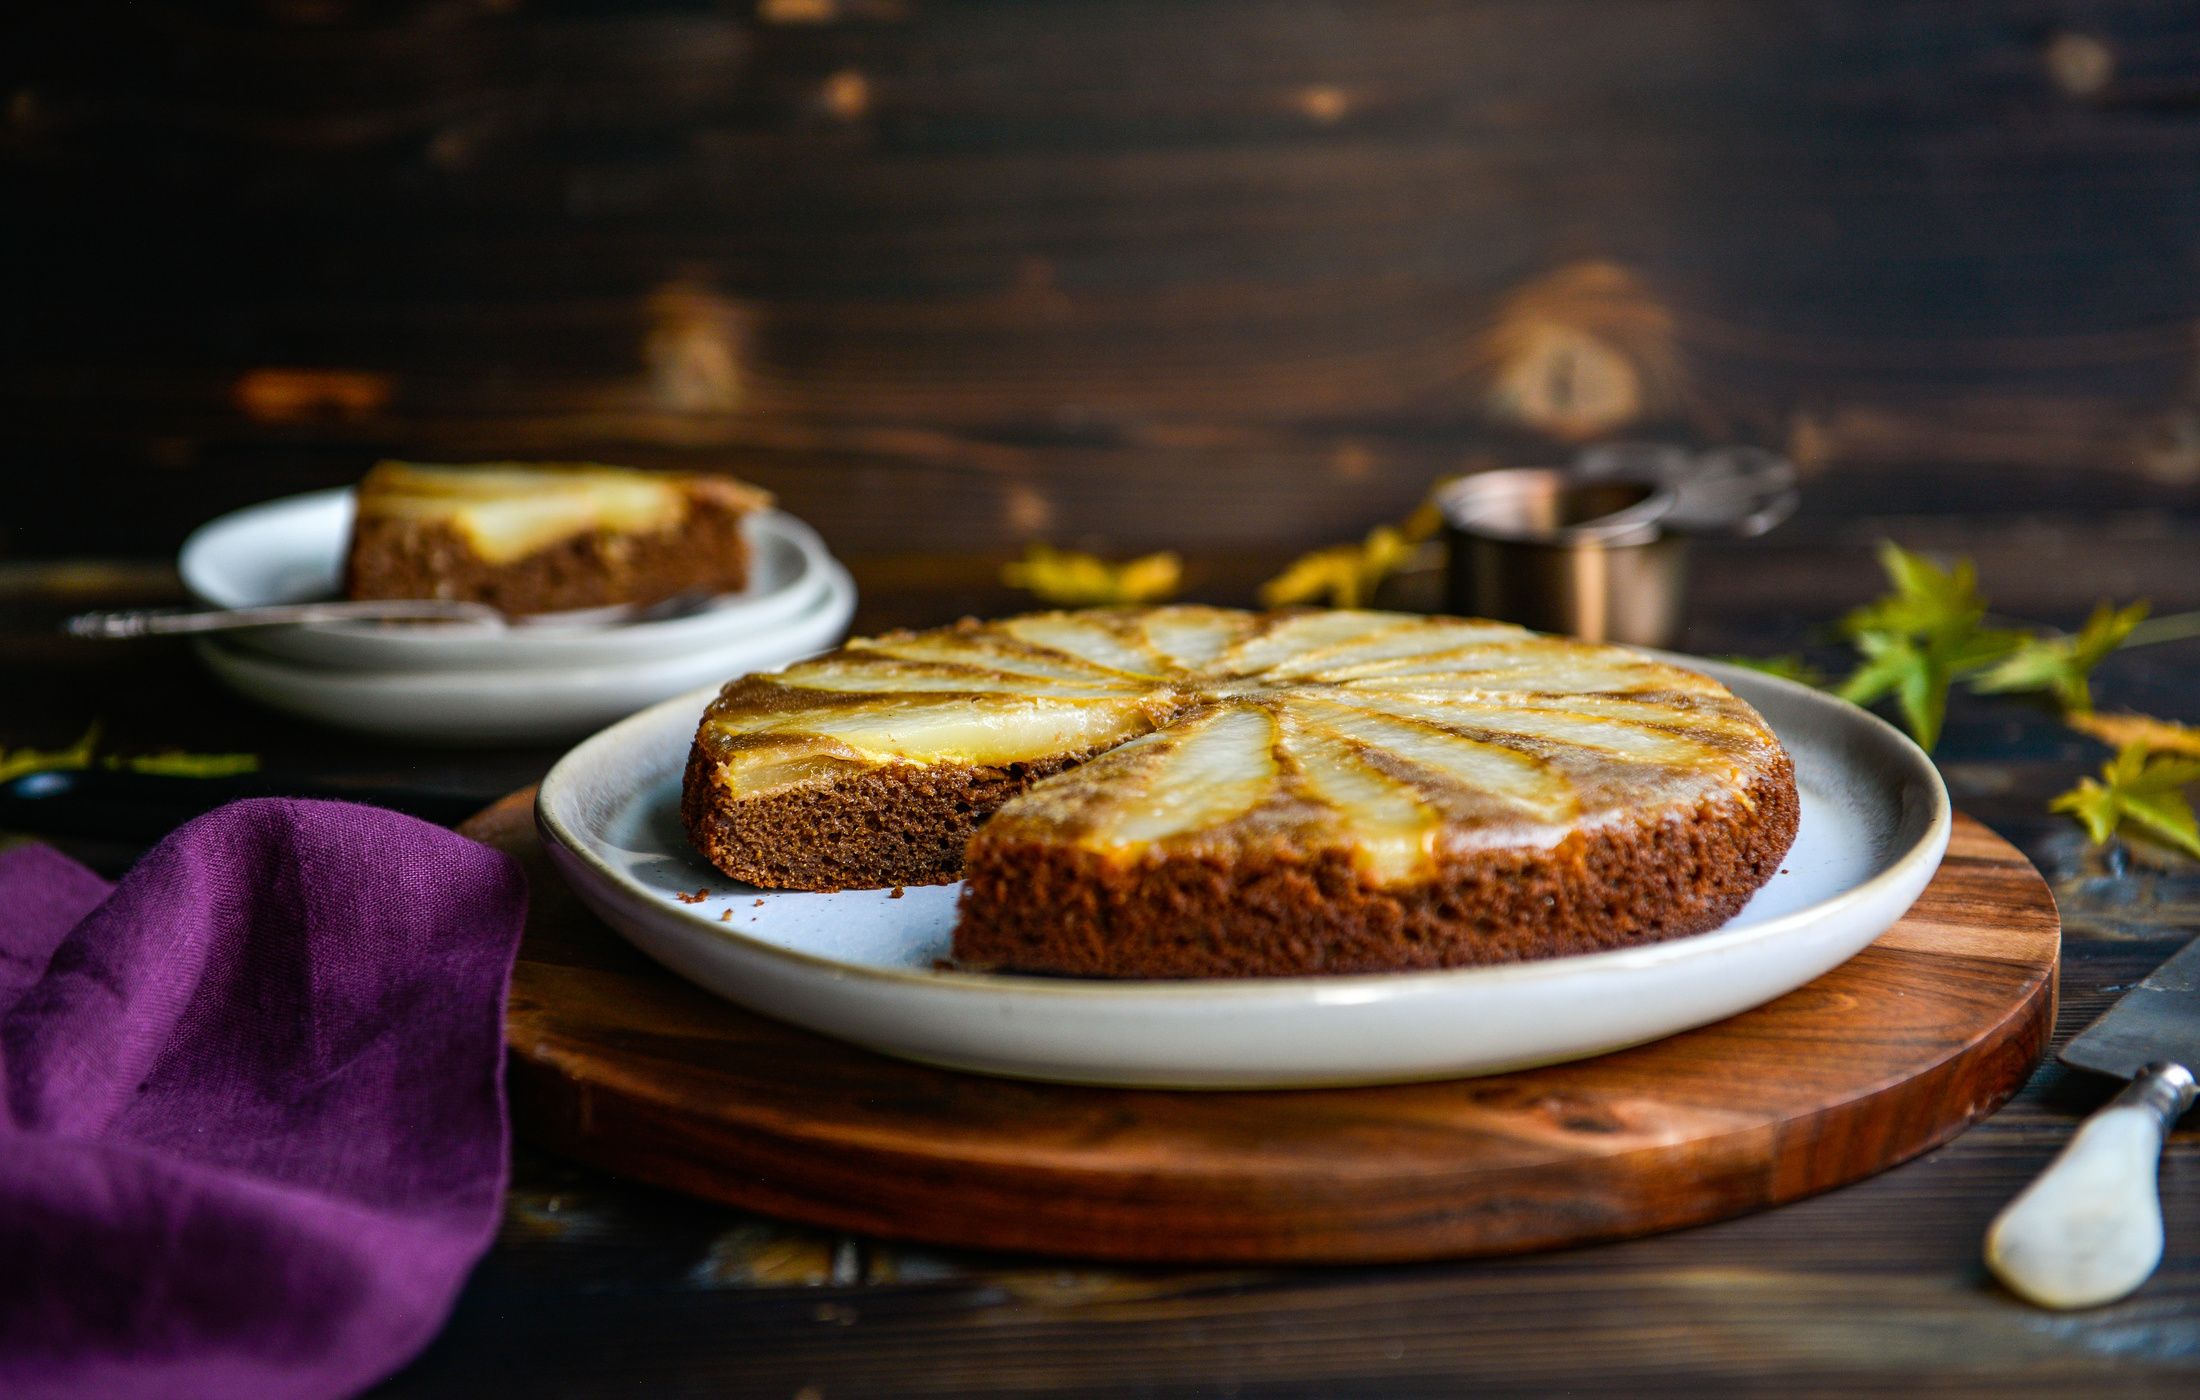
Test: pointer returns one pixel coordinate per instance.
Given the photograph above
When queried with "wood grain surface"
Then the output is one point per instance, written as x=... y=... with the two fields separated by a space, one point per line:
x=602 y=1286
x=1133 y=272
x=621 y=1064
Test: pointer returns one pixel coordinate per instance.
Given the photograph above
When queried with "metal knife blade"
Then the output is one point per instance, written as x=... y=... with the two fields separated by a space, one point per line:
x=2157 y=1020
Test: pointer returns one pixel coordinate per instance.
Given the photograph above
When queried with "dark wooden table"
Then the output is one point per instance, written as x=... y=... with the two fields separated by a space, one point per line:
x=599 y=1287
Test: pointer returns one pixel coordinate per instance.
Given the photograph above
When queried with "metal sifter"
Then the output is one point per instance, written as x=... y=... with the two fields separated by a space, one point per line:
x=1599 y=549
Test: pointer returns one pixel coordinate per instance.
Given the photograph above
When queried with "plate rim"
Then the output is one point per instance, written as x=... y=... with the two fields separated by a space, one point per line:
x=1927 y=849
x=838 y=600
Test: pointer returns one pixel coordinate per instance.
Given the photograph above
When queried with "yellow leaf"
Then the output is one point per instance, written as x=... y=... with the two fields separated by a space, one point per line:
x=1070 y=579
x=1331 y=575
x=2157 y=735
x=176 y=763
x=1422 y=525
x=168 y=762
x=2147 y=790
x=15 y=763
x=1347 y=575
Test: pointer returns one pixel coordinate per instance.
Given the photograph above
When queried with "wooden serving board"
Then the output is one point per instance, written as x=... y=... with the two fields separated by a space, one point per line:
x=619 y=1063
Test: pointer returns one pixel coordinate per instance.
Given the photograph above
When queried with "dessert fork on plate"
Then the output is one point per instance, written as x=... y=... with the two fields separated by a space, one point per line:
x=170 y=622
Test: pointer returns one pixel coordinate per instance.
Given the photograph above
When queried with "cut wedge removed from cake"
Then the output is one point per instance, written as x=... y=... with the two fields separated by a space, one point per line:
x=537 y=537
x=1201 y=792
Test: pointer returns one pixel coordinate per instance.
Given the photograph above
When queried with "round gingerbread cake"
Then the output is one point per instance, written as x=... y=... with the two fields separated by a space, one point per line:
x=1202 y=792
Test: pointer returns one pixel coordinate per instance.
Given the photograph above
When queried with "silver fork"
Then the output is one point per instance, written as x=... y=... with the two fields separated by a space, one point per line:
x=170 y=622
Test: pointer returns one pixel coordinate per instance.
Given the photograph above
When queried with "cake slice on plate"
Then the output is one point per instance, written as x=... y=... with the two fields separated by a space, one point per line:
x=1200 y=792
x=547 y=537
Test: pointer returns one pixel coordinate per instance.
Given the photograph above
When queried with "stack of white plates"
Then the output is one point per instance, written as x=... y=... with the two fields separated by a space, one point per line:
x=539 y=681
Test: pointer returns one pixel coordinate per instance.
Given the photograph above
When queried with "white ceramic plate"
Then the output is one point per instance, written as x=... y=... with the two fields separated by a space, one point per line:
x=518 y=706
x=861 y=965
x=292 y=551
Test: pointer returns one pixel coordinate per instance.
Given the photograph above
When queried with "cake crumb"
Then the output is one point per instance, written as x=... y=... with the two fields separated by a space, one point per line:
x=758 y=905
x=894 y=893
x=726 y=917
x=696 y=898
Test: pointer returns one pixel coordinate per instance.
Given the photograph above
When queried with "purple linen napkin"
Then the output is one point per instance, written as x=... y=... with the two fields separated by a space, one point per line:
x=254 y=1135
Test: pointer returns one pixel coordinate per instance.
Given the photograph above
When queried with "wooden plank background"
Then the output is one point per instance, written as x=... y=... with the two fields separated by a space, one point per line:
x=953 y=274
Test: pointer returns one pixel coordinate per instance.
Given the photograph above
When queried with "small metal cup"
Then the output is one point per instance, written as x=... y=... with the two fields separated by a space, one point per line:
x=1551 y=549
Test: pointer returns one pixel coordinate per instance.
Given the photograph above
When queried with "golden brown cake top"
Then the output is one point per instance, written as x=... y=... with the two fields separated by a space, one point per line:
x=1401 y=737
x=508 y=510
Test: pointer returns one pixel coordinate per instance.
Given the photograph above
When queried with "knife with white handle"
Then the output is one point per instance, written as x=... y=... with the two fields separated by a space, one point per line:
x=2089 y=1229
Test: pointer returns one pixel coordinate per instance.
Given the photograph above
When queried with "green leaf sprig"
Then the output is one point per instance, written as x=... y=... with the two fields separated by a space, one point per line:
x=2063 y=665
x=1918 y=639
x=2143 y=788
x=1931 y=630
